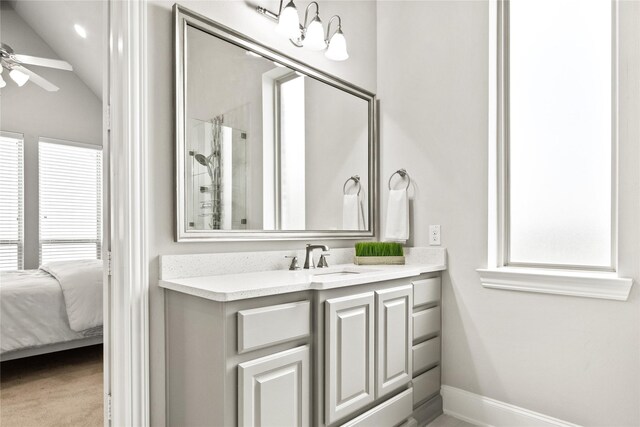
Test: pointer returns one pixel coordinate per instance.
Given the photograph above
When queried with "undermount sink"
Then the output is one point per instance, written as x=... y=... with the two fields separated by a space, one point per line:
x=341 y=272
x=336 y=273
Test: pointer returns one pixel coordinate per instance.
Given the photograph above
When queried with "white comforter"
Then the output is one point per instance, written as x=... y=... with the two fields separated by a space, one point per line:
x=33 y=312
x=81 y=283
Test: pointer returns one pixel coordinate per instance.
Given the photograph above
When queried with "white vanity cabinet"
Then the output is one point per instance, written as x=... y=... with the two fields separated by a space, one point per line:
x=394 y=338
x=239 y=363
x=365 y=349
x=426 y=348
x=366 y=354
x=350 y=364
x=274 y=390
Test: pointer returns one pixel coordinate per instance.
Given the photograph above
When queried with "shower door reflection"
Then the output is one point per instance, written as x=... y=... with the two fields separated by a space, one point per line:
x=216 y=174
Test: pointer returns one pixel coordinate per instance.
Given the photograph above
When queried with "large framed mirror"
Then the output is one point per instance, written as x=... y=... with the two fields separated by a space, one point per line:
x=267 y=147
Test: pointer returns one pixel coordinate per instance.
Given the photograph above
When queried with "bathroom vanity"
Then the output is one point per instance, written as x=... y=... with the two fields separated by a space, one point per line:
x=249 y=343
x=345 y=345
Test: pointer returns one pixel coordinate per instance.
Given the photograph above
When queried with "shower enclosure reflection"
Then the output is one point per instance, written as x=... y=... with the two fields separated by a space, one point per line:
x=216 y=173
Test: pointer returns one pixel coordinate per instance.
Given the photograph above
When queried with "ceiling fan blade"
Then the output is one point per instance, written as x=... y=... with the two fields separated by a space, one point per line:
x=37 y=79
x=43 y=62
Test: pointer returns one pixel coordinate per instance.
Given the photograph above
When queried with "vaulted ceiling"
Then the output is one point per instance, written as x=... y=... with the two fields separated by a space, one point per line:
x=54 y=20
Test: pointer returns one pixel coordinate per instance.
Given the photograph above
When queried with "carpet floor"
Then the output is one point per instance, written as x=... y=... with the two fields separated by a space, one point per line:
x=57 y=389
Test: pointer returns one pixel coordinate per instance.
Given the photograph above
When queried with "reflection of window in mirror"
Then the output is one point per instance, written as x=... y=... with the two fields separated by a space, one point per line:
x=290 y=143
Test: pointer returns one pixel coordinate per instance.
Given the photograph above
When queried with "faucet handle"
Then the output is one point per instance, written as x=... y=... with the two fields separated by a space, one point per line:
x=322 y=263
x=294 y=262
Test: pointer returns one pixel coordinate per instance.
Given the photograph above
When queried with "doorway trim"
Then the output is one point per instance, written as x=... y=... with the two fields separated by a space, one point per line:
x=127 y=349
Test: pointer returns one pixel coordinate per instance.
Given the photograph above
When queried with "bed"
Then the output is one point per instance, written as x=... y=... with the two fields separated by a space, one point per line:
x=53 y=308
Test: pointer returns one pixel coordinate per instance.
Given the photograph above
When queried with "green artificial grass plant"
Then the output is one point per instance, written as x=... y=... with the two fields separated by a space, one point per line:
x=379 y=249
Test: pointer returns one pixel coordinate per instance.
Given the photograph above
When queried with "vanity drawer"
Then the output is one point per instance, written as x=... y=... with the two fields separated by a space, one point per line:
x=426 y=291
x=426 y=323
x=265 y=326
x=426 y=385
x=388 y=413
x=426 y=354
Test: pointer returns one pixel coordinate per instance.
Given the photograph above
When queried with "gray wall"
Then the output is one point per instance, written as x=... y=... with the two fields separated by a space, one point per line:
x=337 y=147
x=73 y=113
x=359 y=25
x=576 y=359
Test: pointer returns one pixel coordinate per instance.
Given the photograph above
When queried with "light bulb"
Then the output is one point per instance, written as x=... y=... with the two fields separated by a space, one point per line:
x=2 y=82
x=314 y=36
x=337 y=49
x=19 y=77
x=289 y=22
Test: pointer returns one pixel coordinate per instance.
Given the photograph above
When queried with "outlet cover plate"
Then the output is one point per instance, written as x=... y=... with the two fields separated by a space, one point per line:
x=434 y=235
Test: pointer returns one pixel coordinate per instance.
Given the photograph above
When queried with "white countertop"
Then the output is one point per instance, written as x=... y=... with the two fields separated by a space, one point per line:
x=231 y=287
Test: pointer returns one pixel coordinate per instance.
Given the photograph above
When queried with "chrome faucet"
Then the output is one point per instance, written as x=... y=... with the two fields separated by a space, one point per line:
x=308 y=259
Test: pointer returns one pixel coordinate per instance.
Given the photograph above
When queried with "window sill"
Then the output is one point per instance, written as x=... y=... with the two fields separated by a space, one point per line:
x=586 y=284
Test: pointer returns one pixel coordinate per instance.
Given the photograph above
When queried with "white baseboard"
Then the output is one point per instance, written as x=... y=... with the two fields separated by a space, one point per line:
x=484 y=411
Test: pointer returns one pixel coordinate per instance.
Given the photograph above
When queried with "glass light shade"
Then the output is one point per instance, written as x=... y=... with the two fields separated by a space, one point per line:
x=314 y=37
x=19 y=77
x=337 y=49
x=2 y=82
x=289 y=22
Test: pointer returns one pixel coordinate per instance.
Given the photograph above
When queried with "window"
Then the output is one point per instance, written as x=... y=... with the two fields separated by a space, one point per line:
x=553 y=127
x=290 y=105
x=70 y=201
x=11 y=201
x=558 y=139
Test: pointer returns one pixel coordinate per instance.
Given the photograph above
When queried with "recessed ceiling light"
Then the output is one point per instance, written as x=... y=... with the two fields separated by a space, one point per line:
x=80 y=30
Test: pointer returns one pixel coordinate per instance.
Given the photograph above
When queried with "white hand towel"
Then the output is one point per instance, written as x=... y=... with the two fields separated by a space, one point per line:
x=352 y=212
x=397 y=225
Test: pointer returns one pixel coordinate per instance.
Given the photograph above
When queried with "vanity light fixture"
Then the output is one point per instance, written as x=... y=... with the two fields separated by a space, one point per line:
x=337 y=44
x=288 y=21
x=311 y=34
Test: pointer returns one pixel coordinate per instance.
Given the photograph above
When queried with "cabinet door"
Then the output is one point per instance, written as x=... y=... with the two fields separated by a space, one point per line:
x=274 y=391
x=393 y=326
x=349 y=358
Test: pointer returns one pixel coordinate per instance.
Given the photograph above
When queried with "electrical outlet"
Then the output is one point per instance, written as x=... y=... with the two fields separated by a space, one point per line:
x=434 y=235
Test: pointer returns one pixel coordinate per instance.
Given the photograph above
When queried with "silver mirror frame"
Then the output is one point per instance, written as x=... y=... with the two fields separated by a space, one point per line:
x=183 y=18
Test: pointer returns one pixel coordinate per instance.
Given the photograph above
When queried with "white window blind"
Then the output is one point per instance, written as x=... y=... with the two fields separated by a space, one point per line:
x=11 y=201
x=70 y=201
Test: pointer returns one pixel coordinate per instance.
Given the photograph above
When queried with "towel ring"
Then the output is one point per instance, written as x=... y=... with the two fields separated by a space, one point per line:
x=356 y=179
x=404 y=174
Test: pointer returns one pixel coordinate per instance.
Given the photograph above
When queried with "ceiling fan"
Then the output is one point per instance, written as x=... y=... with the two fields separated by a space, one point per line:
x=15 y=64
